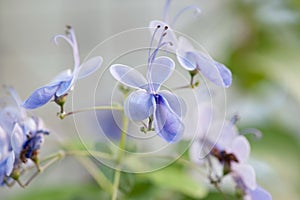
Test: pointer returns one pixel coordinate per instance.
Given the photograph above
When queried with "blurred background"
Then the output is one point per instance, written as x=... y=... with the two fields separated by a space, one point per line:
x=259 y=40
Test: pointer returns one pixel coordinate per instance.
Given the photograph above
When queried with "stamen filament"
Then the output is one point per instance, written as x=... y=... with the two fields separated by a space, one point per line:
x=190 y=7
x=166 y=10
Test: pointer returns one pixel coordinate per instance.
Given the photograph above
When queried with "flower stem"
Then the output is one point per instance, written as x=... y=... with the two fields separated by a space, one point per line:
x=63 y=115
x=119 y=158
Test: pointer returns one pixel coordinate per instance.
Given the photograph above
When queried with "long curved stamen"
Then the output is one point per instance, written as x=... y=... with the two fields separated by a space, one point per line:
x=71 y=35
x=166 y=10
x=71 y=40
x=152 y=39
x=152 y=57
x=163 y=34
x=63 y=37
x=191 y=7
x=252 y=131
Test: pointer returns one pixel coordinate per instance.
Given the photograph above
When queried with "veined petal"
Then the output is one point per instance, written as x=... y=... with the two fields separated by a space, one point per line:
x=138 y=105
x=127 y=76
x=186 y=55
x=195 y=152
x=3 y=143
x=64 y=87
x=260 y=194
x=187 y=59
x=65 y=75
x=10 y=163
x=246 y=173
x=166 y=122
x=169 y=37
x=208 y=68
x=89 y=67
x=241 y=148
x=176 y=103
x=40 y=97
x=17 y=138
x=225 y=73
x=161 y=70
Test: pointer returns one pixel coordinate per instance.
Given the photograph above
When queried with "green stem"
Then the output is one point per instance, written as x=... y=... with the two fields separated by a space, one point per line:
x=63 y=115
x=94 y=171
x=119 y=158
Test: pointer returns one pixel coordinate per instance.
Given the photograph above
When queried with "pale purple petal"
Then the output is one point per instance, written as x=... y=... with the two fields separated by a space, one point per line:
x=65 y=75
x=225 y=73
x=161 y=70
x=89 y=67
x=64 y=87
x=3 y=143
x=128 y=76
x=241 y=148
x=10 y=163
x=166 y=122
x=187 y=59
x=186 y=54
x=176 y=103
x=138 y=105
x=17 y=138
x=222 y=133
x=40 y=97
x=207 y=67
x=260 y=194
x=246 y=173
x=195 y=152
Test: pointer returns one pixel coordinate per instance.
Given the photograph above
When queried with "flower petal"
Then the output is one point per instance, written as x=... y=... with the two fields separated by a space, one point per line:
x=185 y=54
x=89 y=67
x=176 y=103
x=241 y=148
x=225 y=73
x=10 y=163
x=246 y=173
x=169 y=37
x=17 y=138
x=138 y=105
x=260 y=194
x=161 y=70
x=64 y=87
x=65 y=75
x=190 y=59
x=187 y=59
x=3 y=143
x=166 y=122
x=40 y=97
x=128 y=76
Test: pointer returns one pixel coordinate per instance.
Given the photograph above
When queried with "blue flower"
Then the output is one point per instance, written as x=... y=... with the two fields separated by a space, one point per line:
x=190 y=58
x=62 y=83
x=148 y=100
x=223 y=142
x=7 y=157
x=20 y=136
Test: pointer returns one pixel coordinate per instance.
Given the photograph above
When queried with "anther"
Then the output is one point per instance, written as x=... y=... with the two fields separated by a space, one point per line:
x=166 y=27
x=158 y=26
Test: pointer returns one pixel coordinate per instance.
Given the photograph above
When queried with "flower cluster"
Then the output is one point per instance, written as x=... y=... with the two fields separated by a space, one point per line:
x=145 y=100
x=21 y=137
x=220 y=140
